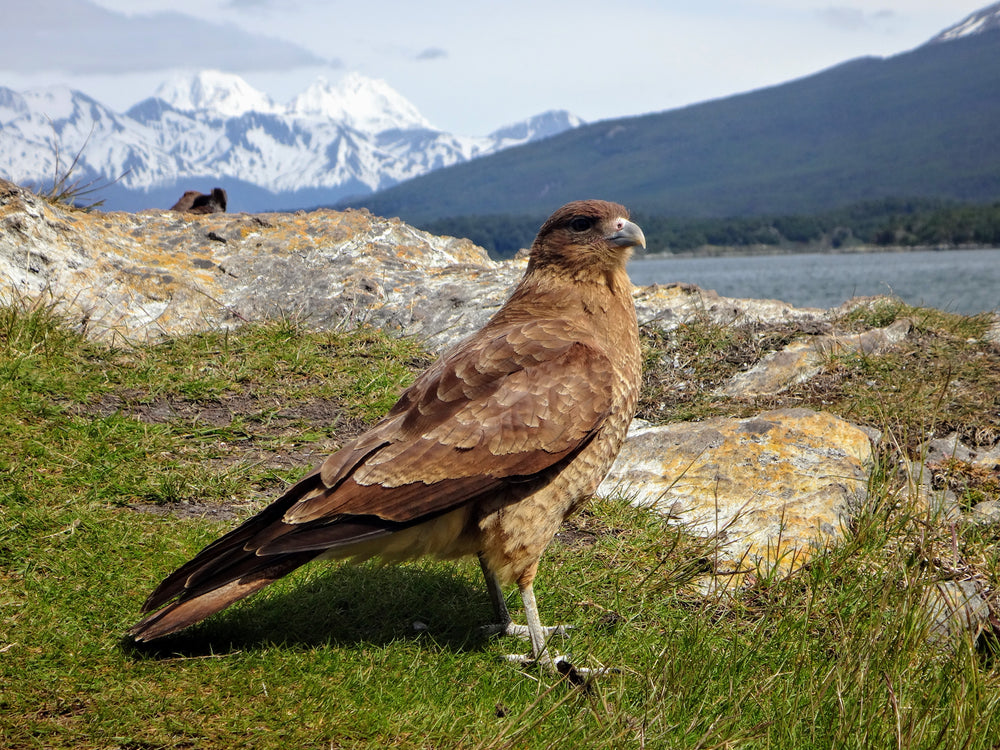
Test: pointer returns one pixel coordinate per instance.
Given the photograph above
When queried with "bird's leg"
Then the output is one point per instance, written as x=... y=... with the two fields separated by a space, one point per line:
x=539 y=649
x=539 y=646
x=503 y=624
x=533 y=631
x=496 y=596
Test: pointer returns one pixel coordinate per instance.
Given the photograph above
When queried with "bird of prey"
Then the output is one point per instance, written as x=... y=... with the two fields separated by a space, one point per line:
x=485 y=454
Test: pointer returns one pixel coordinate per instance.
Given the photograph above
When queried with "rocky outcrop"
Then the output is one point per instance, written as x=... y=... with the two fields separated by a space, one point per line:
x=802 y=359
x=770 y=490
x=159 y=273
x=147 y=275
x=670 y=305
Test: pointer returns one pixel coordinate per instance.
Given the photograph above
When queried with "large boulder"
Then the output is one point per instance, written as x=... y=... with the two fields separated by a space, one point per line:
x=771 y=490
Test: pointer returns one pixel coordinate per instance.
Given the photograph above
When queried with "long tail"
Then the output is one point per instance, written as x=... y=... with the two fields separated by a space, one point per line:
x=194 y=605
x=258 y=552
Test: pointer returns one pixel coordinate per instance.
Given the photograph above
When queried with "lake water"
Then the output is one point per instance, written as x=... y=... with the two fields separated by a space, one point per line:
x=962 y=281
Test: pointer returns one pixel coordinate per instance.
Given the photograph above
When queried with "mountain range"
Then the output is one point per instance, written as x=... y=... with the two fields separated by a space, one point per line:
x=210 y=128
x=922 y=124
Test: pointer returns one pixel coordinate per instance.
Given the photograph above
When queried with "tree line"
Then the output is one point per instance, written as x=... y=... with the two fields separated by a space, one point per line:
x=886 y=222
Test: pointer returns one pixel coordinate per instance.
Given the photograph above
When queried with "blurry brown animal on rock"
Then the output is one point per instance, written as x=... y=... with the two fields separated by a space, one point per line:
x=485 y=454
x=193 y=202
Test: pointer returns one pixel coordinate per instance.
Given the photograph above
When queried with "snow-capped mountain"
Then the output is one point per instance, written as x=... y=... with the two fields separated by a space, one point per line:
x=213 y=129
x=215 y=94
x=540 y=126
x=42 y=131
x=360 y=103
x=985 y=19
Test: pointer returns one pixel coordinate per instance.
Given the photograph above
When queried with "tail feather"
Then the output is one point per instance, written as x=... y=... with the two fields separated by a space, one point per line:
x=211 y=564
x=194 y=606
x=259 y=551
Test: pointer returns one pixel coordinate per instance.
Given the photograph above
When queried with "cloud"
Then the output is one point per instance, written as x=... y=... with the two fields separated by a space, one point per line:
x=249 y=4
x=853 y=19
x=76 y=36
x=431 y=53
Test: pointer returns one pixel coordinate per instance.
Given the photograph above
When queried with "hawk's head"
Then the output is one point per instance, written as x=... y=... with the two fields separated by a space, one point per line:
x=589 y=234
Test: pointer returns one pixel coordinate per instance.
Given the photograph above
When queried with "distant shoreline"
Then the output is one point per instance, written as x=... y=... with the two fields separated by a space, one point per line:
x=723 y=251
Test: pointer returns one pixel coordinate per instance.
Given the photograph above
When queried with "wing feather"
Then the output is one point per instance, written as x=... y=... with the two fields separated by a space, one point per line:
x=513 y=406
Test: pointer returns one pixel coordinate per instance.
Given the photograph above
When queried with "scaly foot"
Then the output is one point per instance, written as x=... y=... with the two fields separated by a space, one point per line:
x=523 y=632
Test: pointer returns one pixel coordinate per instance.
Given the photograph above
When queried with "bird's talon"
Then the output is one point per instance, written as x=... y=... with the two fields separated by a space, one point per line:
x=519 y=658
x=560 y=664
x=523 y=632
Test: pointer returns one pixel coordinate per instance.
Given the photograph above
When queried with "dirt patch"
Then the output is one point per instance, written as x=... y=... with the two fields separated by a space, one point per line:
x=254 y=430
x=269 y=415
x=570 y=535
x=584 y=529
x=184 y=511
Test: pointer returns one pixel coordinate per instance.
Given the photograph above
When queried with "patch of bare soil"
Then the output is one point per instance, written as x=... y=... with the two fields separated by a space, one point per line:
x=269 y=415
x=583 y=529
x=266 y=434
x=184 y=511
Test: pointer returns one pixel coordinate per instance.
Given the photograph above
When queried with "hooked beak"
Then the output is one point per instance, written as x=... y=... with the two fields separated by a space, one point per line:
x=627 y=235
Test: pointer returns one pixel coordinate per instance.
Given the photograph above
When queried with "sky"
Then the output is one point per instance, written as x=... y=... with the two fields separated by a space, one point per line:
x=469 y=66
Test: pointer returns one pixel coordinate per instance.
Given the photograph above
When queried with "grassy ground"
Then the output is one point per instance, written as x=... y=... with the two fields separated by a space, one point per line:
x=117 y=464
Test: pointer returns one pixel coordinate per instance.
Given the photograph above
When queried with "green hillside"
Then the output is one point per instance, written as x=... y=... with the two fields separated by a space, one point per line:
x=924 y=124
x=885 y=222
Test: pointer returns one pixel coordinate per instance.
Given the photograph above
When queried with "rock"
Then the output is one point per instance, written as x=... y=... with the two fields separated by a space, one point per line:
x=937 y=452
x=993 y=332
x=988 y=459
x=153 y=274
x=985 y=513
x=918 y=480
x=772 y=488
x=801 y=360
x=671 y=305
x=940 y=450
x=953 y=608
x=873 y=342
x=776 y=372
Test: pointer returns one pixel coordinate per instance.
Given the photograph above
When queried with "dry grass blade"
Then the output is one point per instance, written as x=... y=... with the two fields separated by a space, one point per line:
x=63 y=190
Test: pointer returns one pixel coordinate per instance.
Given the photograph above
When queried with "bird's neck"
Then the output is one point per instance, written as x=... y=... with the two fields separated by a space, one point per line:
x=595 y=291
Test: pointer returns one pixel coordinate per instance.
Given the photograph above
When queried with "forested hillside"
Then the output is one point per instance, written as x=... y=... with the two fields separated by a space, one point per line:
x=888 y=222
x=924 y=124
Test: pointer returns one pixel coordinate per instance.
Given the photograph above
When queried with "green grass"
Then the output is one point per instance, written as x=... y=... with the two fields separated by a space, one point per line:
x=116 y=465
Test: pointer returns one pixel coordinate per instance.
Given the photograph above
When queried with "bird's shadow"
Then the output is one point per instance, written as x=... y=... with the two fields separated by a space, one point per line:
x=343 y=606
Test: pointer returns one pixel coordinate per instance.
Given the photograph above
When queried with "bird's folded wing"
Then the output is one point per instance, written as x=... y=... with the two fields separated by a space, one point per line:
x=510 y=404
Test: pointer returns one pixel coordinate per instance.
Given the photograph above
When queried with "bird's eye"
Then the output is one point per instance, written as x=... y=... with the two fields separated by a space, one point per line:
x=581 y=224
